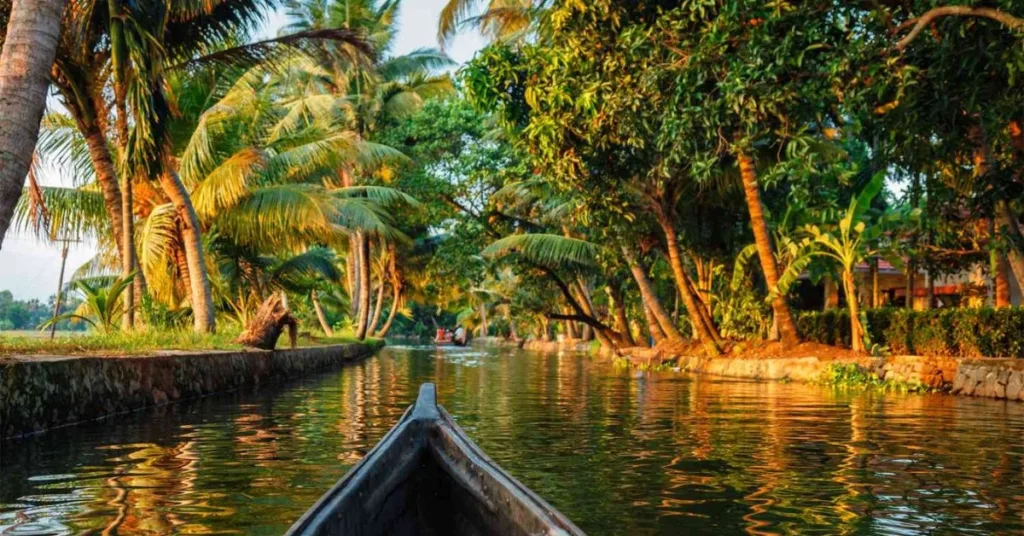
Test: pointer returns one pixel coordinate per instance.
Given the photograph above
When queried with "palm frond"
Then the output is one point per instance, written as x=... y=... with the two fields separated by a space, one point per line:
x=315 y=263
x=379 y=194
x=226 y=185
x=546 y=249
x=270 y=52
x=73 y=213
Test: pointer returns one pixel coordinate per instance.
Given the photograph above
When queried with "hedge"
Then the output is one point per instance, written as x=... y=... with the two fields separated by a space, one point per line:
x=938 y=332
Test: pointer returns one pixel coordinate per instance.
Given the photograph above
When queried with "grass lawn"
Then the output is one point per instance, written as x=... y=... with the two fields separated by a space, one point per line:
x=125 y=344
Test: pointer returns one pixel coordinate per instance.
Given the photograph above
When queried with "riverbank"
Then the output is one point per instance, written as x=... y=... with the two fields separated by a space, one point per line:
x=981 y=377
x=40 y=392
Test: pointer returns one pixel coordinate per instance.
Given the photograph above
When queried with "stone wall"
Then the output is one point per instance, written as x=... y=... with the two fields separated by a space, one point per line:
x=42 y=392
x=992 y=378
x=984 y=377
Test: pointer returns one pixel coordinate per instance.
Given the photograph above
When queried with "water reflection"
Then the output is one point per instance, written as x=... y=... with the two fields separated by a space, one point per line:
x=617 y=453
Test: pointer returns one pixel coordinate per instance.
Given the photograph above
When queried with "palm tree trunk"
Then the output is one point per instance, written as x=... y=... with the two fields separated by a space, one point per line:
x=705 y=332
x=396 y=300
x=588 y=308
x=364 y=285
x=1006 y=220
x=377 y=308
x=570 y=327
x=33 y=29
x=320 y=314
x=106 y=176
x=662 y=327
x=1002 y=281
x=856 y=330
x=353 y=273
x=545 y=329
x=653 y=327
x=787 y=328
x=128 y=251
x=484 y=328
x=618 y=304
x=199 y=278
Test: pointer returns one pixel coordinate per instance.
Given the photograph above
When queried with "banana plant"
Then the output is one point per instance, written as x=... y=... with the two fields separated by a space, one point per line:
x=102 y=306
x=856 y=237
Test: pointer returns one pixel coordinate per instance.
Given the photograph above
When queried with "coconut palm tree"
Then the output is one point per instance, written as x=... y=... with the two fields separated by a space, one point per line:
x=496 y=20
x=382 y=89
x=29 y=45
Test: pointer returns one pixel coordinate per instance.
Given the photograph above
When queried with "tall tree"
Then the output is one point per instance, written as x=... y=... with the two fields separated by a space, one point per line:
x=29 y=46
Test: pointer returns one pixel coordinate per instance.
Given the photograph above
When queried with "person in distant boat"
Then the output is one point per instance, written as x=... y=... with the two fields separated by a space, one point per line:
x=460 y=335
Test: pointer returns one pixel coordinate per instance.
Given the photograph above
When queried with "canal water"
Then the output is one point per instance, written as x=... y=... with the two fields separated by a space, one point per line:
x=617 y=451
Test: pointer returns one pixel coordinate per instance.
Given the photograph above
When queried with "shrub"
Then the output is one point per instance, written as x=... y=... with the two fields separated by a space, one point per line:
x=937 y=332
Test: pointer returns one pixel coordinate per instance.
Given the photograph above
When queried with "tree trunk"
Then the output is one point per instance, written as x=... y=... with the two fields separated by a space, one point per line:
x=1006 y=220
x=364 y=285
x=705 y=333
x=199 y=279
x=705 y=273
x=1002 y=281
x=320 y=314
x=375 y=319
x=397 y=293
x=856 y=330
x=128 y=252
x=265 y=328
x=876 y=300
x=106 y=176
x=911 y=284
x=484 y=328
x=570 y=328
x=666 y=328
x=930 y=286
x=513 y=333
x=618 y=304
x=352 y=272
x=588 y=308
x=545 y=329
x=653 y=327
x=765 y=252
x=33 y=29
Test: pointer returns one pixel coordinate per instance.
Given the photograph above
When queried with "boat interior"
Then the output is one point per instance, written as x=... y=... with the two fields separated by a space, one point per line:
x=426 y=477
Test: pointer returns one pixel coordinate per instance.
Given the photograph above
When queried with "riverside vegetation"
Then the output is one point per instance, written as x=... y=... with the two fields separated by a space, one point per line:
x=686 y=174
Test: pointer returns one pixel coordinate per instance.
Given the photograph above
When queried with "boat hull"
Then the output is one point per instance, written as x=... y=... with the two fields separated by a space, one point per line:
x=427 y=477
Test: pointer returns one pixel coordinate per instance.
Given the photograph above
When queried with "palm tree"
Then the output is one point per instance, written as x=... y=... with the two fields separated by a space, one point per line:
x=497 y=20
x=384 y=88
x=29 y=45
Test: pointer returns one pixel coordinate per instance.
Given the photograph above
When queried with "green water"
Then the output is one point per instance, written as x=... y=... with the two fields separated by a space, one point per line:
x=617 y=452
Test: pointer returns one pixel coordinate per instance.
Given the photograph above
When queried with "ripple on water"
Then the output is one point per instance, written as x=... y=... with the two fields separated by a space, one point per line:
x=654 y=454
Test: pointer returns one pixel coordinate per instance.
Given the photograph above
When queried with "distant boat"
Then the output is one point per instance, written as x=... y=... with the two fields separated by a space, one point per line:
x=427 y=477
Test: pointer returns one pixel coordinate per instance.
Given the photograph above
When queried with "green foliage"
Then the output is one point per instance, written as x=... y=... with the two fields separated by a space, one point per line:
x=851 y=376
x=742 y=314
x=983 y=332
x=546 y=249
x=101 y=305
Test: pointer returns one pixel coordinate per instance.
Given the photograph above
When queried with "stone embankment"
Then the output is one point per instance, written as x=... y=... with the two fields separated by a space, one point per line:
x=984 y=377
x=42 y=392
x=981 y=377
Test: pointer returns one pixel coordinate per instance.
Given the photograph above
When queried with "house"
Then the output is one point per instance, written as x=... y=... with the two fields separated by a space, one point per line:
x=888 y=287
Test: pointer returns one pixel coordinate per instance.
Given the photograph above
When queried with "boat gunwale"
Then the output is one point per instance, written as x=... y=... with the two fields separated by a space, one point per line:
x=434 y=425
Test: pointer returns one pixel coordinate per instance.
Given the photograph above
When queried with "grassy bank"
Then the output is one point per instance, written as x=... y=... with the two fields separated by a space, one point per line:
x=123 y=344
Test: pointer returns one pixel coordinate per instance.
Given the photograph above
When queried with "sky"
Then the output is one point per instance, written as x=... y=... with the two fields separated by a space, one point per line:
x=30 y=268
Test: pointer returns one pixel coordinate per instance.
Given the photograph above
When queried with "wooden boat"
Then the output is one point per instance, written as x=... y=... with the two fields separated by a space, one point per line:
x=426 y=477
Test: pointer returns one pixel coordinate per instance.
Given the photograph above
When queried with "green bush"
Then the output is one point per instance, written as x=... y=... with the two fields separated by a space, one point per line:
x=938 y=332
